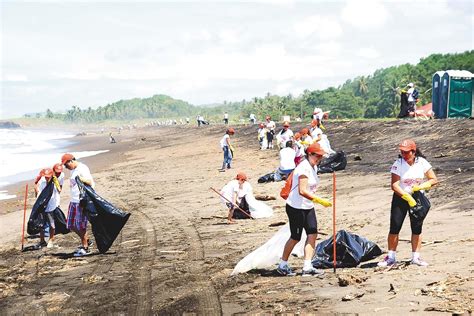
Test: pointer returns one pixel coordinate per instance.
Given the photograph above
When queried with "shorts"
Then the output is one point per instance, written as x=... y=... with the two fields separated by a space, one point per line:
x=300 y=219
x=49 y=218
x=398 y=213
x=76 y=217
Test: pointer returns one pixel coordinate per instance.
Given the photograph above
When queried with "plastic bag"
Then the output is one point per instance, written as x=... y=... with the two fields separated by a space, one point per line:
x=60 y=222
x=423 y=205
x=334 y=162
x=36 y=220
x=258 y=209
x=269 y=254
x=350 y=251
x=107 y=220
x=269 y=177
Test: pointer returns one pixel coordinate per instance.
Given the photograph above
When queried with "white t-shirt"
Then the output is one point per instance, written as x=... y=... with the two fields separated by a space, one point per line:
x=82 y=171
x=271 y=126
x=318 y=114
x=224 y=141
x=233 y=187
x=410 y=175
x=287 y=158
x=410 y=95
x=55 y=200
x=300 y=149
x=295 y=199
x=316 y=131
x=307 y=139
x=284 y=137
x=226 y=116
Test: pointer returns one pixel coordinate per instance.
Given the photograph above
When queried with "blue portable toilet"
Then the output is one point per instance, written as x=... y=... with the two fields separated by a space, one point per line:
x=436 y=92
x=456 y=94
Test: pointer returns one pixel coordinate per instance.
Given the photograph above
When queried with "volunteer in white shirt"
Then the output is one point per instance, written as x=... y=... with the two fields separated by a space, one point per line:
x=236 y=191
x=408 y=175
x=287 y=159
x=270 y=125
x=411 y=100
x=76 y=217
x=227 y=149
x=299 y=148
x=48 y=176
x=284 y=135
x=316 y=132
x=300 y=210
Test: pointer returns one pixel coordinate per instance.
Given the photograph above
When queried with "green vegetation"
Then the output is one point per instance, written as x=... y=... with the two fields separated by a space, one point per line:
x=374 y=96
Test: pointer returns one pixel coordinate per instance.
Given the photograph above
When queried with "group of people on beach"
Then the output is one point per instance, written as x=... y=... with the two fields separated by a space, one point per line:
x=76 y=217
x=300 y=155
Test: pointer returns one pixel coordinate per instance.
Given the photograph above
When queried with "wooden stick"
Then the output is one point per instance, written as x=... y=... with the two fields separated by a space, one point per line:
x=235 y=205
x=24 y=218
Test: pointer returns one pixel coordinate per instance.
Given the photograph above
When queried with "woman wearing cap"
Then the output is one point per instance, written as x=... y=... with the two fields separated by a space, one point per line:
x=227 y=149
x=76 y=217
x=261 y=136
x=284 y=135
x=299 y=148
x=408 y=175
x=306 y=139
x=300 y=210
x=236 y=191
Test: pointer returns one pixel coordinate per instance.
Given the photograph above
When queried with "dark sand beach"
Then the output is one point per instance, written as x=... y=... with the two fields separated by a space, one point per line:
x=176 y=252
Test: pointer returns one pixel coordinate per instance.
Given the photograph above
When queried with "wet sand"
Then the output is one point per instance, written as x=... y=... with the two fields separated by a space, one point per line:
x=176 y=253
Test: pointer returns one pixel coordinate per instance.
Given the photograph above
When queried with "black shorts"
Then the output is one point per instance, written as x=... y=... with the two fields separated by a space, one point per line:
x=398 y=213
x=269 y=137
x=300 y=219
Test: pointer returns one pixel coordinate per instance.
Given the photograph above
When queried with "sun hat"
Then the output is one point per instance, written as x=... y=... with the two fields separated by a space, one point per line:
x=407 y=145
x=66 y=157
x=241 y=176
x=315 y=148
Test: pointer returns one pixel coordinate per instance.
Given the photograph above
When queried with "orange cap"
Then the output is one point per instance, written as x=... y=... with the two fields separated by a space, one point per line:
x=297 y=135
x=66 y=157
x=58 y=168
x=241 y=176
x=48 y=173
x=314 y=122
x=304 y=131
x=407 y=145
x=262 y=125
x=231 y=131
x=286 y=124
x=315 y=148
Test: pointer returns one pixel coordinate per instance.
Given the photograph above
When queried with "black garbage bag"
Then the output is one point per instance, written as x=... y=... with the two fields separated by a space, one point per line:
x=36 y=220
x=334 y=162
x=423 y=205
x=60 y=222
x=269 y=177
x=350 y=251
x=107 y=220
x=403 y=105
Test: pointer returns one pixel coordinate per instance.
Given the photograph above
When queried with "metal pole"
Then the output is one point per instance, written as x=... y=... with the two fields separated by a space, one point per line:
x=24 y=218
x=334 y=219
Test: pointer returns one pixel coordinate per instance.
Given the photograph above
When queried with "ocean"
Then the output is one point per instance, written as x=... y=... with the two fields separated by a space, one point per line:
x=25 y=152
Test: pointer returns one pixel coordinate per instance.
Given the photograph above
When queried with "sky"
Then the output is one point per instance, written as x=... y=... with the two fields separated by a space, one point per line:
x=56 y=54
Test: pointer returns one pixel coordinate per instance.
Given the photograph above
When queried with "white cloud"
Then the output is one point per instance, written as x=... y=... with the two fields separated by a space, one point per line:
x=324 y=27
x=365 y=14
x=368 y=52
x=15 y=77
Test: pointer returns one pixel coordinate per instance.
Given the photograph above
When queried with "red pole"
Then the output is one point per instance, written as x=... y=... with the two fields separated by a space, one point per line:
x=24 y=218
x=334 y=219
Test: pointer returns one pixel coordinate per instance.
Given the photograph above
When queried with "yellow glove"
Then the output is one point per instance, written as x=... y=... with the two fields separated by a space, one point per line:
x=323 y=202
x=232 y=148
x=411 y=201
x=303 y=142
x=321 y=126
x=56 y=183
x=424 y=186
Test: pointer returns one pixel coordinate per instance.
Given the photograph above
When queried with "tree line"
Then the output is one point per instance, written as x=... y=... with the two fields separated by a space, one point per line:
x=373 y=96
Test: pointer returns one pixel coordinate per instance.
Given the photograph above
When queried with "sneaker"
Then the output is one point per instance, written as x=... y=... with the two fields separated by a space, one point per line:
x=285 y=271
x=312 y=271
x=386 y=262
x=51 y=245
x=81 y=251
x=419 y=262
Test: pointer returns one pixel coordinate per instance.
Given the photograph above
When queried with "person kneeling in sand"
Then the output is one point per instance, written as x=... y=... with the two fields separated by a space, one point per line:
x=236 y=191
x=76 y=217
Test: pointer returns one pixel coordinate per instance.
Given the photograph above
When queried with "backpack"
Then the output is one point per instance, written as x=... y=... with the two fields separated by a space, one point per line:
x=415 y=94
x=285 y=191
